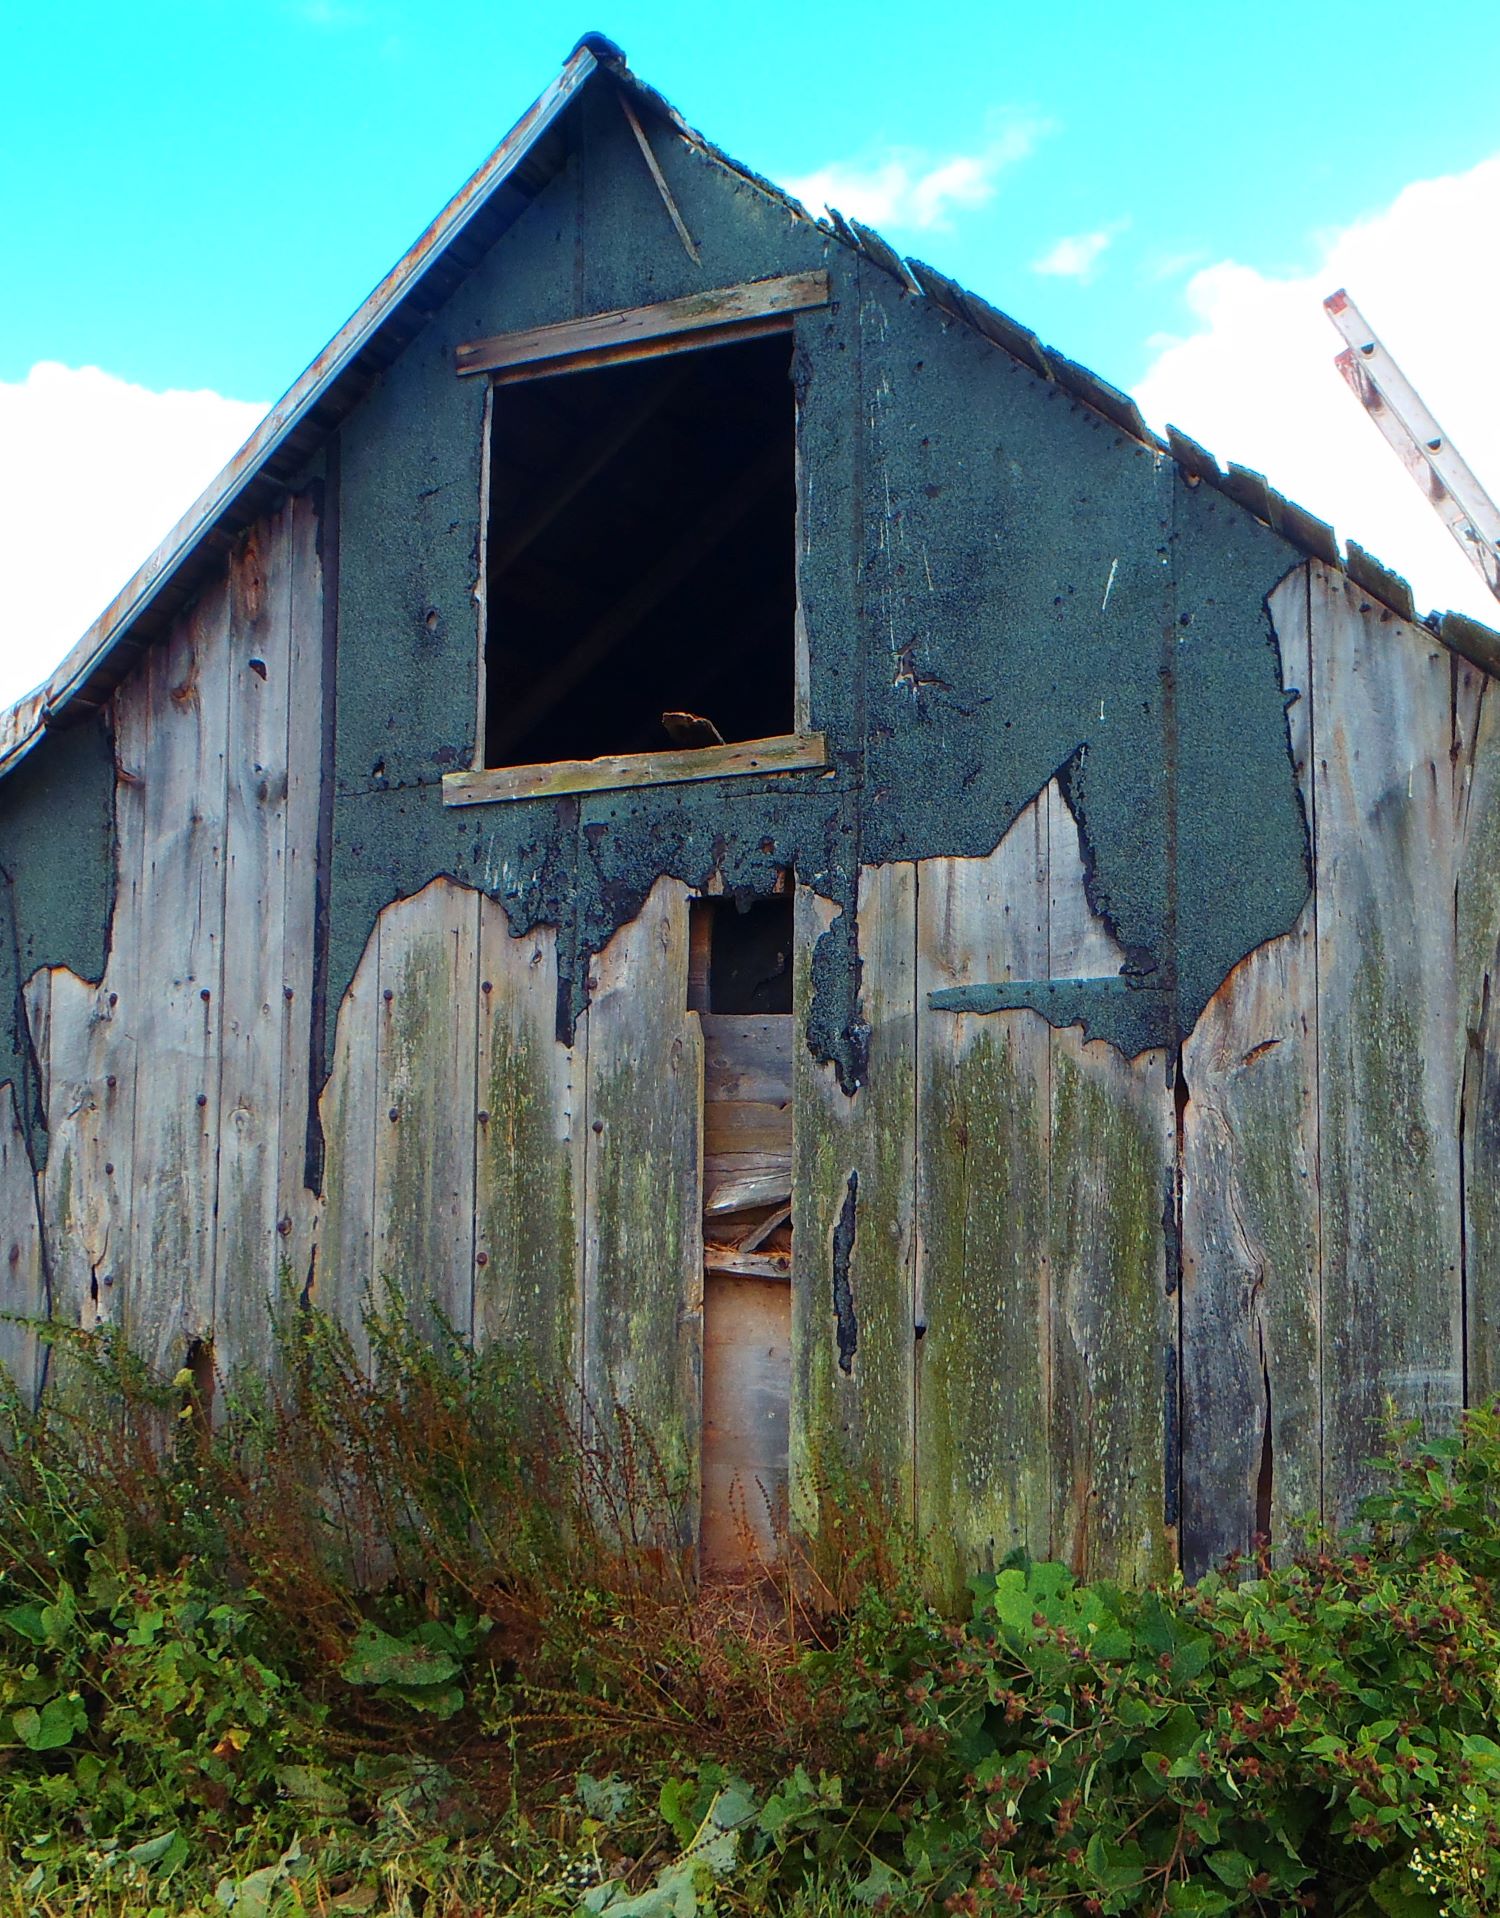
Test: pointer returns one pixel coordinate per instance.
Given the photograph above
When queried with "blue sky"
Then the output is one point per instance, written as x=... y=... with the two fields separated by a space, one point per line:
x=197 y=196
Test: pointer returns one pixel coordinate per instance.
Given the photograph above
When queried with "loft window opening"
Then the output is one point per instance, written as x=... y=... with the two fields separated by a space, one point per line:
x=641 y=552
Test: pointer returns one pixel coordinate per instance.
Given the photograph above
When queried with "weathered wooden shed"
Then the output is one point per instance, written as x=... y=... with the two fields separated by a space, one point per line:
x=1021 y=1022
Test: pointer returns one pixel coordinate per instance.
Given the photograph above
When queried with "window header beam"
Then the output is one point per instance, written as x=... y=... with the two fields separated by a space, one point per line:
x=699 y=319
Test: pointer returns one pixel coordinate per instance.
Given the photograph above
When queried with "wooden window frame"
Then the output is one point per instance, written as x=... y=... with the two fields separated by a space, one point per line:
x=697 y=323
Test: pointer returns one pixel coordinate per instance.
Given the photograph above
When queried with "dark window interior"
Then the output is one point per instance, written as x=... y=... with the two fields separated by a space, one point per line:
x=641 y=555
x=740 y=957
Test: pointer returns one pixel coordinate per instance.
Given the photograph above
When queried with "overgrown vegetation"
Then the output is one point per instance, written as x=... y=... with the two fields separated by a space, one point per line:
x=399 y=1634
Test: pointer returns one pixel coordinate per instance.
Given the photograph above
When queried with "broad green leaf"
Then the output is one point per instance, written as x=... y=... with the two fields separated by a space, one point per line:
x=375 y=1658
x=1231 y=1868
x=310 y=1785
x=607 y=1799
x=878 y=1882
x=1206 y=1899
x=53 y=1726
x=26 y=1621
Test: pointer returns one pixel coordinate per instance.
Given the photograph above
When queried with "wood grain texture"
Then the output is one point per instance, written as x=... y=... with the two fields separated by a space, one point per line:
x=344 y=1265
x=596 y=333
x=1477 y=763
x=643 y=1240
x=853 y=1219
x=1388 y=1070
x=529 y=1167
x=87 y=1067
x=1114 y=1330
x=1113 y=1323
x=788 y=752
x=746 y=1375
x=178 y=959
x=983 y=1467
x=1251 y=1260
x=258 y=668
x=297 y=1206
x=425 y=1084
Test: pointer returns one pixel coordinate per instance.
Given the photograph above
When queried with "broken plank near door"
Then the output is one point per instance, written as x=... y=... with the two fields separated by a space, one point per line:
x=853 y=1224
x=737 y=1191
x=643 y=1256
x=426 y=1016
x=983 y=1362
x=723 y=307
x=1251 y=1298
x=529 y=1166
x=746 y=1363
x=177 y=962
x=1388 y=1073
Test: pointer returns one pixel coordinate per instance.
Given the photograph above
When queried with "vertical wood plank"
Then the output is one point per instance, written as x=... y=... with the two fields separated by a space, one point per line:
x=1114 y=1330
x=85 y=1044
x=180 y=959
x=983 y=1362
x=746 y=1357
x=87 y=1078
x=296 y=1206
x=1477 y=959
x=1251 y=1307
x=424 y=1098
x=345 y=1262
x=643 y=1237
x=529 y=1173
x=1388 y=1072
x=23 y=1278
x=854 y=1223
x=1114 y=1327
x=258 y=667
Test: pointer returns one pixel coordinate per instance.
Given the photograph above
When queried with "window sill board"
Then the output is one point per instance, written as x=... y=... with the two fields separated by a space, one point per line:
x=787 y=752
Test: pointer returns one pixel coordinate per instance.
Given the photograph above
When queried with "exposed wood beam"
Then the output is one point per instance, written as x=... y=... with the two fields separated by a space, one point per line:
x=689 y=246
x=627 y=328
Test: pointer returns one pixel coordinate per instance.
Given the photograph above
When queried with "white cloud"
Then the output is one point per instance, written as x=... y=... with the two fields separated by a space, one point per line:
x=1255 y=380
x=907 y=188
x=96 y=472
x=1075 y=256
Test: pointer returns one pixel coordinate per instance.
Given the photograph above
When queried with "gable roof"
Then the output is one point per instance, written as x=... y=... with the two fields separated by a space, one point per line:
x=473 y=220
